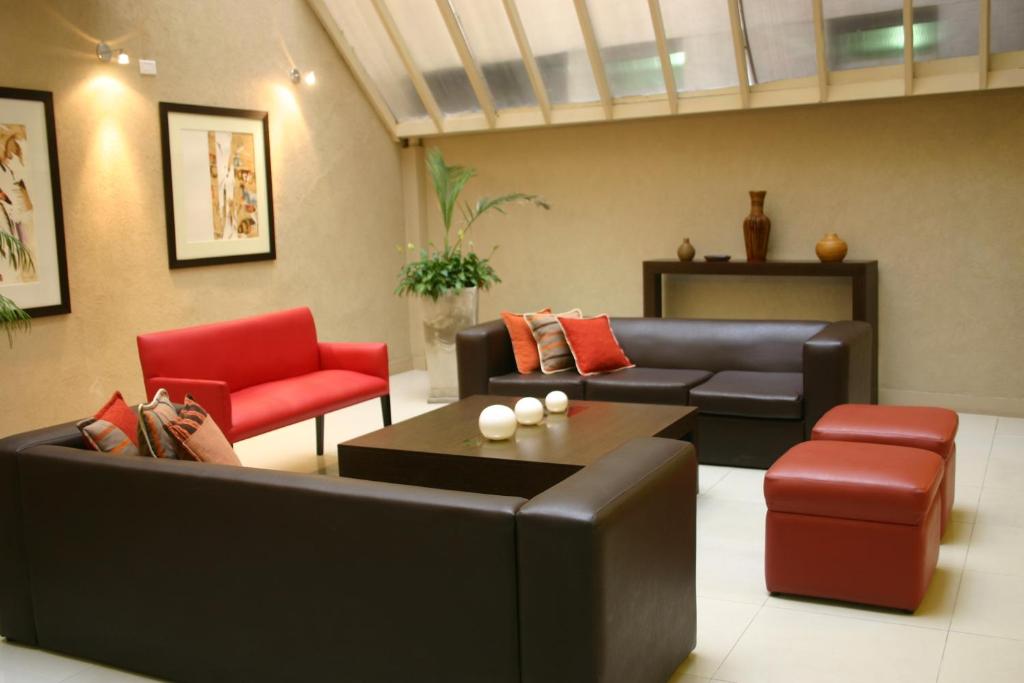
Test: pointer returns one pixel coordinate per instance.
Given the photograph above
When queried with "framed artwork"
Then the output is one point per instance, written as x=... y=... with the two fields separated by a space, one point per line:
x=30 y=206
x=217 y=189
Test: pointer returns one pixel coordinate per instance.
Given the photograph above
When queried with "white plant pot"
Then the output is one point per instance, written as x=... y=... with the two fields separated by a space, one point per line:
x=442 y=320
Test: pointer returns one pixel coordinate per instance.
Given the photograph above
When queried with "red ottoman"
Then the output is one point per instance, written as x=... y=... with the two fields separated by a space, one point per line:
x=933 y=429
x=853 y=521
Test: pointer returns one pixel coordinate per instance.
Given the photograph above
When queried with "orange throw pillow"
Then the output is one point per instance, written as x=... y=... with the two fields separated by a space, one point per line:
x=524 y=346
x=593 y=345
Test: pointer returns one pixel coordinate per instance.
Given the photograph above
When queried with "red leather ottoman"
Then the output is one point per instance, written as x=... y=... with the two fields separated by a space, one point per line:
x=933 y=429
x=853 y=521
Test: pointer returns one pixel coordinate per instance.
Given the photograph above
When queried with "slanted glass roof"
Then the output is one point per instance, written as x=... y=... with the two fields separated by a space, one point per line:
x=443 y=66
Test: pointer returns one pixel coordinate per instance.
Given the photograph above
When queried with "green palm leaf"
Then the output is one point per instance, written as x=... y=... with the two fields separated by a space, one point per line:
x=12 y=318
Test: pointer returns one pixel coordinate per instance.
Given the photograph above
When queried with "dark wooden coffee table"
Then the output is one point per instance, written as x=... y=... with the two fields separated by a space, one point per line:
x=444 y=448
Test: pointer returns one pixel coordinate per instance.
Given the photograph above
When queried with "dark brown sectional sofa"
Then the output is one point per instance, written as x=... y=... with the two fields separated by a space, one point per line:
x=760 y=385
x=199 y=572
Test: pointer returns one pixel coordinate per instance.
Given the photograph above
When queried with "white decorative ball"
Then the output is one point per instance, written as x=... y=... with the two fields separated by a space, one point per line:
x=497 y=422
x=529 y=411
x=557 y=402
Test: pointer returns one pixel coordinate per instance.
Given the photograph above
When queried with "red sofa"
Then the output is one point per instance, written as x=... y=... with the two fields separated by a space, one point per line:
x=257 y=374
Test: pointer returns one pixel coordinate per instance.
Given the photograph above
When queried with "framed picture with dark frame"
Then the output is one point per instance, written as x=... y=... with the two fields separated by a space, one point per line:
x=217 y=189
x=30 y=204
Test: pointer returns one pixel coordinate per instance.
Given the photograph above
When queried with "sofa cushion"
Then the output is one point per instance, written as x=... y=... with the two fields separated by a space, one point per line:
x=271 y=405
x=524 y=346
x=645 y=385
x=199 y=437
x=154 y=439
x=593 y=345
x=113 y=429
x=777 y=395
x=554 y=352
x=873 y=482
x=536 y=384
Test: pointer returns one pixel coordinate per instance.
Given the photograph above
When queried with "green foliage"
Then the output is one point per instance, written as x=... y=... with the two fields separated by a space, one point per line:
x=12 y=318
x=448 y=268
x=437 y=273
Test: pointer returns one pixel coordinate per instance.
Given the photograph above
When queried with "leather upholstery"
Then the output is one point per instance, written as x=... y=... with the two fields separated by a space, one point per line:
x=536 y=384
x=716 y=345
x=256 y=374
x=815 y=365
x=645 y=385
x=200 y=572
x=606 y=569
x=853 y=521
x=268 y=406
x=837 y=368
x=891 y=484
x=933 y=429
x=777 y=395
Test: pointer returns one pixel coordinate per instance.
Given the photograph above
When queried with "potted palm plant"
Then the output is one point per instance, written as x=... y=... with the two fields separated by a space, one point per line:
x=448 y=279
x=14 y=251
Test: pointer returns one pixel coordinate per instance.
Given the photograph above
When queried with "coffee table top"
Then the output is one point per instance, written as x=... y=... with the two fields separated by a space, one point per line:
x=588 y=431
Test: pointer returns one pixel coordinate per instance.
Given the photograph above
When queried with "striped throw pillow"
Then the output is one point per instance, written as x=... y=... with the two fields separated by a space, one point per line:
x=154 y=441
x=555 y=355
x=198 y=436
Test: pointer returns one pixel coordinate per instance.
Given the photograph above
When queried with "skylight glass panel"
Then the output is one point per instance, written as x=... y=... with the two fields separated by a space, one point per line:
x=362 y=29
x=425 y=34
x=625 y=36
x=863 y=33
x=490 y=38
x=1007 y=32
x=780 y=34
x=945 y=28
x=699 y=37
x=556 y=40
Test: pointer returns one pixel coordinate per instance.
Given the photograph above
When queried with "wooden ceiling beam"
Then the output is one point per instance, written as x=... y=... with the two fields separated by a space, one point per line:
x=415 y=75
x=540 y=92
x=469 y=63
x=658 y=22
x=739 y=44
x=594 y=54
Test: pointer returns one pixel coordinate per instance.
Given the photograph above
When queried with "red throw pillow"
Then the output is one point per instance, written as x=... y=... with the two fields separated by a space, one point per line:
x=593 y=345
x=524 y=346
x=113 y=428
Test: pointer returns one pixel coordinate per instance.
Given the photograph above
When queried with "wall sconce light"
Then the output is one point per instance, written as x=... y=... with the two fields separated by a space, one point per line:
x=105 y=54
x=295 y=75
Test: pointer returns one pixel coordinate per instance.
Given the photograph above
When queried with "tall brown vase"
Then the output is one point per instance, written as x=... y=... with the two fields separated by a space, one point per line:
x=757 y=227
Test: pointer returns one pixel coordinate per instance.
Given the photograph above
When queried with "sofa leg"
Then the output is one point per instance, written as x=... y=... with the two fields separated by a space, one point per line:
x=385 y=409
x=319 y=434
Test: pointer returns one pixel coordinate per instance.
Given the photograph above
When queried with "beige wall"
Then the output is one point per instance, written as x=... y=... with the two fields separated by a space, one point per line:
x=930 y=187
x=336 y=178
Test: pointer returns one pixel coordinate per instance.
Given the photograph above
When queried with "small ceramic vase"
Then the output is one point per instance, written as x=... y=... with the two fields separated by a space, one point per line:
x=686 y=252
x=831 y=248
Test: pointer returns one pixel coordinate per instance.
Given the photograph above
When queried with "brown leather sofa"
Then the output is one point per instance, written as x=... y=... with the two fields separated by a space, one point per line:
x=760 y=385
x=200 y=572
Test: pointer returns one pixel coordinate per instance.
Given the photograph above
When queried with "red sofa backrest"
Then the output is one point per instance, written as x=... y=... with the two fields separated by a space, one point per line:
x=241 y=352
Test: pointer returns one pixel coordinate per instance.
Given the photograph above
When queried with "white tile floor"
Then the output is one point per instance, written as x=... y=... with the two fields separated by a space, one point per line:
x=970 y=627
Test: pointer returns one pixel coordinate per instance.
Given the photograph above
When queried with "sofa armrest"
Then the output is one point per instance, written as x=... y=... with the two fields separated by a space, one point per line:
x=212 y=394
x=483 y=351
x=607 y=563
x=837 y=368
x=367 y=358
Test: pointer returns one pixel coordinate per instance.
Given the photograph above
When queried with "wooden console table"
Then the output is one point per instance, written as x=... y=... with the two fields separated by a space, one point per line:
x=863 y=276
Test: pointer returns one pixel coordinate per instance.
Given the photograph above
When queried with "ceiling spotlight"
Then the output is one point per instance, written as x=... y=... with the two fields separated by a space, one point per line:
x=295 y=75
